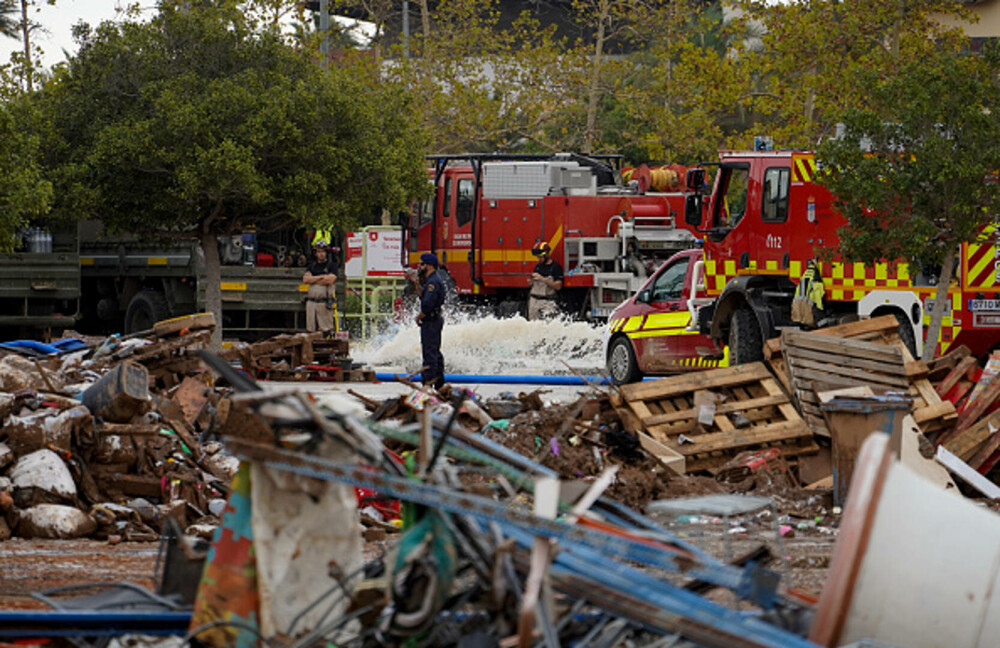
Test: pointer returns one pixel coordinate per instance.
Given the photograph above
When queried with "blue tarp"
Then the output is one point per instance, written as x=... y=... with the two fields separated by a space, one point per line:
x=36 y=348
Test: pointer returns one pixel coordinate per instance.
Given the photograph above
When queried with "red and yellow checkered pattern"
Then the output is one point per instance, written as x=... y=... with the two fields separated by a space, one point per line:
x=951 y=324
x=852 y=281
x=718 y=274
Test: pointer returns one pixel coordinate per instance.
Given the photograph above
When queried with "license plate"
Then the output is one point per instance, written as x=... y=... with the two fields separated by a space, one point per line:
x=984 y=304
x=986 y=320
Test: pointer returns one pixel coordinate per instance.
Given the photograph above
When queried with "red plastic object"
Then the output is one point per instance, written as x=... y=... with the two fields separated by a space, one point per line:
x=265 y=260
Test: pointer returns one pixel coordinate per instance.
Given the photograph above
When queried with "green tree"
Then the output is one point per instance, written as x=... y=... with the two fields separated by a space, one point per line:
x=25 y=194
x=192 y=125
x=679 y=97
x=805 y=67
x=915 y=171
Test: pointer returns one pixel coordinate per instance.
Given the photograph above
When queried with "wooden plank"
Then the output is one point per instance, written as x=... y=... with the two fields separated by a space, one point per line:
x=841 y=381
x=786 y=408
x=840 y=346
x=711 y=379
x=876 y=325
x=985 y=453
x=772 y=348
x=975 y=409
x=965 y=444
x=664 y=454
x=672 y=429
x=939 y=410
x=742 y=438
x=780 y=369
x=916 y=369
x=956 y=374
x=833 y=367
x=724 y=408
x=891 y=368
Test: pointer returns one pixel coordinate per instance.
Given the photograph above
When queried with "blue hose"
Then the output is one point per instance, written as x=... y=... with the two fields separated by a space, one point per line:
x=509 y=380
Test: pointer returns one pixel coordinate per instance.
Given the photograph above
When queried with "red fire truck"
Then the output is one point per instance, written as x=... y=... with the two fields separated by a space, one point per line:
x=764 y=220
x=489 y=211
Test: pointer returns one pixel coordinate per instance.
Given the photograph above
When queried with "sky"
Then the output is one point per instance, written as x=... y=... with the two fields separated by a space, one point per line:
x=58 y=22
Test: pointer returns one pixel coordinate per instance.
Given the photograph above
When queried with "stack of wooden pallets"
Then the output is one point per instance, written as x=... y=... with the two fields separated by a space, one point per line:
x=867 y=353
x=300 y=356
x=711 y=416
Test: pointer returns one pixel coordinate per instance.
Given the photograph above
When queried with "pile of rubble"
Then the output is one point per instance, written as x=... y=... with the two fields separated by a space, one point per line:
x=484 y=518
x=112 y=440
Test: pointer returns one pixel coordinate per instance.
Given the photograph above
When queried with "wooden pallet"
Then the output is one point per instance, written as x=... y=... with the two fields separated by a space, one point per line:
x=667 y=411
x=288 y=353
x=815 y=361
x=883 y=329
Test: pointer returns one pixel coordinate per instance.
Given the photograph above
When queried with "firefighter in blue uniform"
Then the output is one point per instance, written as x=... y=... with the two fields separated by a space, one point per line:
x=431 y=321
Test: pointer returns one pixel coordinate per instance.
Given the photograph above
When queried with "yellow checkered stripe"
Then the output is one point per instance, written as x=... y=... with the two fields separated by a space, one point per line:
x=718 y=274
x=852 y=281
x=949 y=327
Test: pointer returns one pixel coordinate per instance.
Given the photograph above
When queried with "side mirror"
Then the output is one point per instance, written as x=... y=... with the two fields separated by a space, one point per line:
x=643 y=296
x=692 y=209
x=696 y=179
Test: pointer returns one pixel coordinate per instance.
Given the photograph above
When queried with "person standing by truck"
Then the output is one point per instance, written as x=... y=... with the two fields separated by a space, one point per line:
x=431 y=321
x=546 y=281
x=320 y=276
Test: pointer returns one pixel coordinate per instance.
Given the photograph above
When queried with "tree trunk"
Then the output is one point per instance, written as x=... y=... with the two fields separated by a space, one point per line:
x=425 y=20
x=941 y=300
x=25 y=31
x=595 y=79
x=213 y=288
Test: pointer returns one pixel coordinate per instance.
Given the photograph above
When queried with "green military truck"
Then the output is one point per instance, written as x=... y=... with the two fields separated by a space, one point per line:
x=78 y=277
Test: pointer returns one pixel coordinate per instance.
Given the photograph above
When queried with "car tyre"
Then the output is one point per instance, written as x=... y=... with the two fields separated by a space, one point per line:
x=746 y=343
x=622 y=364
x=906 y=335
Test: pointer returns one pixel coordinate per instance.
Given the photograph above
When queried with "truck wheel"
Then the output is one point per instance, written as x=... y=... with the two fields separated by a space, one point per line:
x=746 y=344
x=906 y=333
x=147 y=308
x=621 y=362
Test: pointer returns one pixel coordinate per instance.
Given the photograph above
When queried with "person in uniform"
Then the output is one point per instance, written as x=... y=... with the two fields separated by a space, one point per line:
x=431 y=321
x=320 y=276
x=546 y=280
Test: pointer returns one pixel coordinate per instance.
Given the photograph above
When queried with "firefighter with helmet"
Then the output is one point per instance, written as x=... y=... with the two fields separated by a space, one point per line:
x=546 y=280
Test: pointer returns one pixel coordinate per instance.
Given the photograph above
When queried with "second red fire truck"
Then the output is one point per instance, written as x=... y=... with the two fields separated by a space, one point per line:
x=764 y=221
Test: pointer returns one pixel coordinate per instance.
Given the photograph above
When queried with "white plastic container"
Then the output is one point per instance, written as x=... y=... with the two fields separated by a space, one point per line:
x=913 y=566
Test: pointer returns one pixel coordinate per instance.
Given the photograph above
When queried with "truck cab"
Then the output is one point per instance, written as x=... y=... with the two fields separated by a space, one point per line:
x=655 y=331
x=766 y=219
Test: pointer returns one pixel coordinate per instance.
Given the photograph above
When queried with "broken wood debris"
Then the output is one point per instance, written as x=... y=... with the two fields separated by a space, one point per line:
x=299 y=357
x=710 y=416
